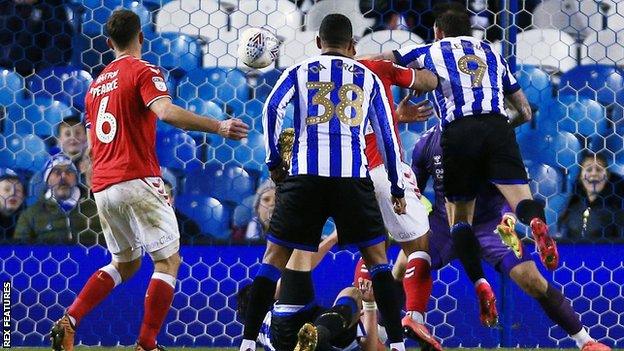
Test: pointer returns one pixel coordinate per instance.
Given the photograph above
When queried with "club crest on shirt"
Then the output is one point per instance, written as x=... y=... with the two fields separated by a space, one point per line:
x=159 y=83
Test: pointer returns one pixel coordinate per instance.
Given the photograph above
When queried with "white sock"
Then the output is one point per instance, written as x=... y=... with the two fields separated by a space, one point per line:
x=481 y=280
x=417 y=317
x=397 y=346
x=72 y=320
x=581 y=338
x=167 y=278
x=113 y=272
x=248 y=345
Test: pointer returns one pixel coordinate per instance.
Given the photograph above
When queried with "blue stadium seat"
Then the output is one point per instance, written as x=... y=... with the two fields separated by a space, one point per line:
x=265 y=83
x=547 y=184
x=243 y=213
x=207 y=212
x=596 y=82
x=584 y=117
x=11 y=86
x=233 y=184
x=24 y=152
x=175 y=52
x=536 y=85
x=38 y=116
x=250 y=153
x=201 y=180
x=63 y=83
x=176 y=150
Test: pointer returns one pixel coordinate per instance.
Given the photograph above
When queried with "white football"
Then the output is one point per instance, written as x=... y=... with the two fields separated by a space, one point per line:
x=257 y=47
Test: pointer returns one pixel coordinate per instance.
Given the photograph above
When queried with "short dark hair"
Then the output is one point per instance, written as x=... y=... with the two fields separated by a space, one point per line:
x=336 y=30
x=122 y=27
x=70 y=120
x=454 y=23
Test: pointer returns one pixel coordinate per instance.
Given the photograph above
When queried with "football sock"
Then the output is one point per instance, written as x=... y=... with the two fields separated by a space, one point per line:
x=158 y=300
x=97 y=288
x=529 y=209
x=261 y=297
x=388 y=306
x=559 y=310
x=581 y=338
x=400 y=292
x=296 y=288
x=360 y=272
x=417 y=282
x=467 y=249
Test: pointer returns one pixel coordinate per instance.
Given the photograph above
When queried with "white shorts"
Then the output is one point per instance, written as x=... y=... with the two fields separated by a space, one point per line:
x=136 y=216
x=413 y=224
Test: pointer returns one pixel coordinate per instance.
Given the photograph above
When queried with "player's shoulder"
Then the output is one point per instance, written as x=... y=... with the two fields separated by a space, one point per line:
x=139 y=65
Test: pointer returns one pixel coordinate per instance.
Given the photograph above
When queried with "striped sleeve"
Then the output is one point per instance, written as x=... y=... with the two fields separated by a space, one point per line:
x=410 y=55
x=273 y=115
x=387 y=140
x=510 y=85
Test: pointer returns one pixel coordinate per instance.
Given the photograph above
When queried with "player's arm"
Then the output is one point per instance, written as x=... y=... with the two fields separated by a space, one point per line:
x=324 y=248
x=419 y=164
x=272 y=117
x=369 y=316
x=388 y=56
x=385 y=133
x=175 y=115
x=515 y=96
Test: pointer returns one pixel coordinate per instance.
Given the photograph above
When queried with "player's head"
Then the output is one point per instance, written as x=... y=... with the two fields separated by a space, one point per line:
x=124 y=31
x=452 y=23
x=336 y=34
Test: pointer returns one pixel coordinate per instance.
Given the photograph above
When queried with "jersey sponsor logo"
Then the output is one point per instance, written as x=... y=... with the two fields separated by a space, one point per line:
x=159 y=83
x=105 y=88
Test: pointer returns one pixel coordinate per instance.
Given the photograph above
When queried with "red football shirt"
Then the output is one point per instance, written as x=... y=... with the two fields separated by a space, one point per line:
x=122 y=128
x=390 y=74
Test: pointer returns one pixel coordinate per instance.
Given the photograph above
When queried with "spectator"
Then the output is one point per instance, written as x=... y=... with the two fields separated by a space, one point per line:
x=263 y=209
x=11 y=202
x=62 y=214
x=34 y=34
x=595 y=209
x=189 y=230
x=72 y=137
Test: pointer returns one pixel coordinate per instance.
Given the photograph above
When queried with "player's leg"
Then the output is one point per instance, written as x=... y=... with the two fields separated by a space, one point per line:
x=554 y=304
x=334 y=327
x=359 y=222
x=462 y=162
x=126 y=260
x=296 y=223
x=507 y=171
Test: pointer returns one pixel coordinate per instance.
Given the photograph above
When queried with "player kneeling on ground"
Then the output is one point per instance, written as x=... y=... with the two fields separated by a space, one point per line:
x=297 y=322
x=122 y=106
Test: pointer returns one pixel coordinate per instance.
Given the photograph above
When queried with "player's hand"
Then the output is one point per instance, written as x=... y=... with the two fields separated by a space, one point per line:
x=407 y=112
x=279 y=173
x=366 y=288
x=399 y=205
x=233 y=128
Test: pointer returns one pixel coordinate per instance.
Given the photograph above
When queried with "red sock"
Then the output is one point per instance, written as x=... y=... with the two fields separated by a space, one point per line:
x=97 y=288
x=417 y=282
x=158 y=300
x=360 y=272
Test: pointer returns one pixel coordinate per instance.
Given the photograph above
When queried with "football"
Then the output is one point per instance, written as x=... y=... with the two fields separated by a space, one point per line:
x=258 y=48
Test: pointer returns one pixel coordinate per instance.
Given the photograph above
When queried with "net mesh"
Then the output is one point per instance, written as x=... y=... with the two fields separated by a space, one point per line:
x=566 y=56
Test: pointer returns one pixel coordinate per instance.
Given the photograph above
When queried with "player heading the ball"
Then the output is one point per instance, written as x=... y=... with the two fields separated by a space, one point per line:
x=122 y=107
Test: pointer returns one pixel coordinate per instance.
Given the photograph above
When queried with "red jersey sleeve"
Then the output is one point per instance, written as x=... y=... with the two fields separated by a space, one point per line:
x=151 y=83
x=401 y=76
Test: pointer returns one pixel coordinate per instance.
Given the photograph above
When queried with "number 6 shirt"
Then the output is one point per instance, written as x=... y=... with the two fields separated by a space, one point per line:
x=122 y=128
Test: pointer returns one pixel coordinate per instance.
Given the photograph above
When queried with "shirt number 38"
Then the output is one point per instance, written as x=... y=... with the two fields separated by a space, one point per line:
x=350 y=95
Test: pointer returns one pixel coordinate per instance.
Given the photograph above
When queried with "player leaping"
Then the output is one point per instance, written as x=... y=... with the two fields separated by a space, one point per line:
x=122 y=106
x=489 y=220
x=478 y=139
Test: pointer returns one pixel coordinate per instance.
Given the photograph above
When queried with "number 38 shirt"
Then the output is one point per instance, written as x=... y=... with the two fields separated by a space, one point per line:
x=473 y=79
x=122 y=128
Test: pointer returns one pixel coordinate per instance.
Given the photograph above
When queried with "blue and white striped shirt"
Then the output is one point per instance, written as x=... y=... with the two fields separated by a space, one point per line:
x=473 y=79
x=334 y=98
